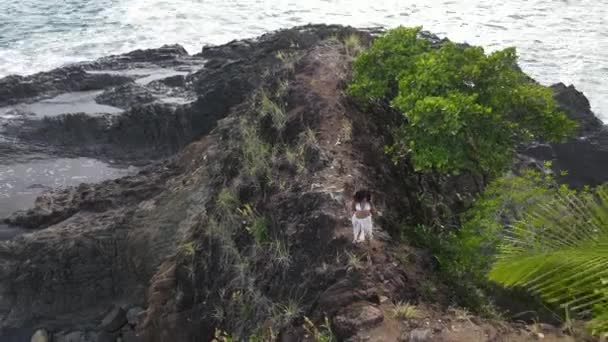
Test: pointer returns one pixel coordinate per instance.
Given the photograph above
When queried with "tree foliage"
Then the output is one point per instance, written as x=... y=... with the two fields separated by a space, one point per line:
x=559 y=251
x=473 y=249
x=465 y=110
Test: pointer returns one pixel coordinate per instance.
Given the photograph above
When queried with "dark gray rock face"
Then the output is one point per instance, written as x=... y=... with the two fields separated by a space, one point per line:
x=577 y=106
x=14 y=89
x=100 y=244
x=584 y=158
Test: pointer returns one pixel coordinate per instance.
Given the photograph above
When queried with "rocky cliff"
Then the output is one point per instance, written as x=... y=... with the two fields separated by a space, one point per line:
x=238 y=219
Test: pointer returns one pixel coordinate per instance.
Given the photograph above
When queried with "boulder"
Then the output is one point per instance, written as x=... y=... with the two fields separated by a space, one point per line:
x=359 y=316
x=420 y=335
x=114 y=320
x=576 y=105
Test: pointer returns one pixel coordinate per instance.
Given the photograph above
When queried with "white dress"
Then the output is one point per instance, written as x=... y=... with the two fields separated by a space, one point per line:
x=362 y=228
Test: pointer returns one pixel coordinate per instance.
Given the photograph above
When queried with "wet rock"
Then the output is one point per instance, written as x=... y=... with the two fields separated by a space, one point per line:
x=355 y=318
x=420 y=335
x=125 y=96
x=174 y=81
x=165 y=52
x=40 y=335
x=114 y=320
x=14 y=89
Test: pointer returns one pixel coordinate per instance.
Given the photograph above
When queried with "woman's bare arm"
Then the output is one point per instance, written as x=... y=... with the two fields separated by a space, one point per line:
x=372 y=208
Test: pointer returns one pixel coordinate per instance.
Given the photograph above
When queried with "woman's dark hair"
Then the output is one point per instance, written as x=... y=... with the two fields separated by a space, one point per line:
x=363 y=195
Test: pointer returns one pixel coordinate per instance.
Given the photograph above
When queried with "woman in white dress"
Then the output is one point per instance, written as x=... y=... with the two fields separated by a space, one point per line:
x=362 y=216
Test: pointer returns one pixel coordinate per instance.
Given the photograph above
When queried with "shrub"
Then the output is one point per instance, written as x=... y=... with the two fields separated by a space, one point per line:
x=465 y=110
x=259 y=230
x=472 y=250
x=559 y=251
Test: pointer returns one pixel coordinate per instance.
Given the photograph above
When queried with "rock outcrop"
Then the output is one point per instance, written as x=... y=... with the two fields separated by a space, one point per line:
x=583 y=159
x=243 y=227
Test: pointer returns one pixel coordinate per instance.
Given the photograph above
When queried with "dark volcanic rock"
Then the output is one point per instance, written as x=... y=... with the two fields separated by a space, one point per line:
x=14 y=89
x=125 y=96
x=166 y=55
x=55 y=206
x=582 y=160
x=577 y=106
x=354 y=318
x=114 y=320
x=174 y=81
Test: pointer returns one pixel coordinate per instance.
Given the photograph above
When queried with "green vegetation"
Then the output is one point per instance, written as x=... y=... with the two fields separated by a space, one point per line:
x=352 y=44
x=405 y=311
x=472 y=251
x=255 y=151
x=559 y=250
x=465 y=110
x=353 y=262
x=527 y=231
x=466 y=256
x=323 y=334
x=280 y=254
x=285 y=314
x=276 y=112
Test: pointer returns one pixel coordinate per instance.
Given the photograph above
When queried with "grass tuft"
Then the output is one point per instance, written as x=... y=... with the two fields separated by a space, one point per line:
x=256 y=153
x=323 y=334
x=405 y=310
x=353 y=262
x=352 y=44
x=280 y=253
x=276 y=112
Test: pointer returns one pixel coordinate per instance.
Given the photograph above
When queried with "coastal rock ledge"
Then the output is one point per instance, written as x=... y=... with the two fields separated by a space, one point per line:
x=254 y=133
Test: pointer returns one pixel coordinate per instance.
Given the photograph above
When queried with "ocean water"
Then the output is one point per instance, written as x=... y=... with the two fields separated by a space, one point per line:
x=558 y=40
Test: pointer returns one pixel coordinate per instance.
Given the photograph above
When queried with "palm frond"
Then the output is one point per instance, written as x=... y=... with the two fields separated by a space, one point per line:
x=559 y=251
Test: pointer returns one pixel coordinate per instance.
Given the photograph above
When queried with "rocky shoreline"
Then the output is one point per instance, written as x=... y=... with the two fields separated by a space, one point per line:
x=106 y=261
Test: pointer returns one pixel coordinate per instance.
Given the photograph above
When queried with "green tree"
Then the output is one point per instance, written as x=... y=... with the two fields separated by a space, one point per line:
x=559 y=250
x=465 y=110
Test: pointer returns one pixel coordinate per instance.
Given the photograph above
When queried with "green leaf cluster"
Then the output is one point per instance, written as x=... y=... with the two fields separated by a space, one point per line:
x=473 y=249
x=465 y=110
x=559 y=250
